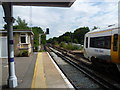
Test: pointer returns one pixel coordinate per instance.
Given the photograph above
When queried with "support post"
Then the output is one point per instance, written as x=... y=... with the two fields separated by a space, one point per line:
x=40 y=39
x=12 y=79
x=39 y=42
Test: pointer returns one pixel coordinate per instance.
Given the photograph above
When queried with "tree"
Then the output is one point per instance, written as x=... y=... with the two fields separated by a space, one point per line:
x=69 y=37
x=21 y=24
x=49 y=40
x=37 y=31
x=80 y=33
x=43 y=39
x=75 y=41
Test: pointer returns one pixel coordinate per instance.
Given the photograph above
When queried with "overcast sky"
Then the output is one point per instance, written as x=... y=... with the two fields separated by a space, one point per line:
x=59 y=20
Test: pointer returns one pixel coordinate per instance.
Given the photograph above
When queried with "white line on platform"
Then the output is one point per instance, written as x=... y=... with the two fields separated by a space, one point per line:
x=61 y=73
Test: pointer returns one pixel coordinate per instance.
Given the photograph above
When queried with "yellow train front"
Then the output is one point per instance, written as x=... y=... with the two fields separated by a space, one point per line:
x=103 y=44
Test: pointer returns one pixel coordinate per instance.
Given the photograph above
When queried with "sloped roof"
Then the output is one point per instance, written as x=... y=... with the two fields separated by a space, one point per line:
x=18 y=31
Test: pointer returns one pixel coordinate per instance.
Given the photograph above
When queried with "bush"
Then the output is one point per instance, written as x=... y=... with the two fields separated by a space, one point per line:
x=56 y=44
x=72 y=47
x=62 y=44
x=23 y=53
x=69 y=46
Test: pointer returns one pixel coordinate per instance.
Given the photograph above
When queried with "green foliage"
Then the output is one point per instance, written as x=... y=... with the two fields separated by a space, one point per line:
x=5 y=26
x=80 y=33
x=24 y=53
x=37 y=31
x=71 y=47
x=62 y=44
x=75 y=41
x=21 y=24
x=43 y=39
x=67 y=37
x=68 y=46
x=76 y=37
x=53 y=40
x=49 y=40
x=56 y=44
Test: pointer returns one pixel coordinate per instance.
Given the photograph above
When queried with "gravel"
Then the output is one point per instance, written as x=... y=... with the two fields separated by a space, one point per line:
x=77 y=78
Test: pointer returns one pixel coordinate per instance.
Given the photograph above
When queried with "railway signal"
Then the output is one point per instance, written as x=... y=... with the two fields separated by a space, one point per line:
x=47 y=30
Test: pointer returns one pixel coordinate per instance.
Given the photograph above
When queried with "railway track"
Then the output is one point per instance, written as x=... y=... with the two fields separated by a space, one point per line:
x=79 y=57
x=99 y=79
x=107 y=69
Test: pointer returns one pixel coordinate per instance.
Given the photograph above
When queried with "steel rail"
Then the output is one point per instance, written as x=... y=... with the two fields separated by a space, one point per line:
x=97 y=78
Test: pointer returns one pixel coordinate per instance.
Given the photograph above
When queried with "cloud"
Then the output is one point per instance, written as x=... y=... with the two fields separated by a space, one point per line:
x=60 y=20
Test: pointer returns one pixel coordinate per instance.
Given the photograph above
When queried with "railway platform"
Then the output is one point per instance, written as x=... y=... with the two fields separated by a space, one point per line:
x=37 y=71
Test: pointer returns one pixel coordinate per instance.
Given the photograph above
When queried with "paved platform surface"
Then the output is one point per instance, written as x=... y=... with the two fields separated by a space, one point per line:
x=36 y=71
x=46 y=74
x=24 y=67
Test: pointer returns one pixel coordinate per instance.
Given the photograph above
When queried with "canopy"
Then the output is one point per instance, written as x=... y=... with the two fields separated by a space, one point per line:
x=52 y=3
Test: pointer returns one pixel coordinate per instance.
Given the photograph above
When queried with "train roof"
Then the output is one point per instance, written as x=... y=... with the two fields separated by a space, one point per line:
x=110 y=27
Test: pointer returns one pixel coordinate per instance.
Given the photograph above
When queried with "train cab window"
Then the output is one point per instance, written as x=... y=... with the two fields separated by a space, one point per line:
x=86 y=42
x=92 y=42
x=115 y=42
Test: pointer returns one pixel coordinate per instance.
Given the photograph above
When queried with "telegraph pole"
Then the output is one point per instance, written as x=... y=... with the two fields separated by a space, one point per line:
x=8 y=10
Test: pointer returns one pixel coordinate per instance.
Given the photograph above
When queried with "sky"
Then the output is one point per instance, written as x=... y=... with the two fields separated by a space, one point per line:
x=59 y=20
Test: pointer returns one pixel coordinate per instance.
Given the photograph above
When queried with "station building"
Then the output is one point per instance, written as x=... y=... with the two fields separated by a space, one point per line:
x=23 y=42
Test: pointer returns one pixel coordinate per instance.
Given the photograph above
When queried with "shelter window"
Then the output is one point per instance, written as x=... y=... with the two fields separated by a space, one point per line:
x=24 y=38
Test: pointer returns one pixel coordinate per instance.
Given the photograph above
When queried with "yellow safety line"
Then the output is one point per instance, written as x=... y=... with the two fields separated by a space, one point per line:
x=39 y=80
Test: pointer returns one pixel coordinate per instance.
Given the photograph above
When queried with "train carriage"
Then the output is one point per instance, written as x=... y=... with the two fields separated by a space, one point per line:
x=103 y=45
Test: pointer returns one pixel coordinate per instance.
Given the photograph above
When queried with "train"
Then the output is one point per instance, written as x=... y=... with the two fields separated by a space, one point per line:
x=103 y=45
